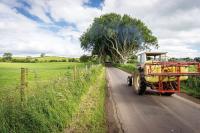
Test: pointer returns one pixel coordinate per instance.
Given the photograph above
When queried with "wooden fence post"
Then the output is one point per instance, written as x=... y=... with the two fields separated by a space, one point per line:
x=26 y=80
x=23 y=83
x=86 y=68
x=74 y=73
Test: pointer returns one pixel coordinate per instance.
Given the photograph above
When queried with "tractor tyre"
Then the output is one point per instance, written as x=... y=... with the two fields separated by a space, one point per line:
x=139 y=83
x=129 y=80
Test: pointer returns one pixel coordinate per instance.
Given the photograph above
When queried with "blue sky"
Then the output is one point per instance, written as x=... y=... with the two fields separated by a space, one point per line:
x=31 y=27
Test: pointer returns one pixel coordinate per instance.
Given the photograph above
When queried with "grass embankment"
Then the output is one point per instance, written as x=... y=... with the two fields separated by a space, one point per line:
x=190 y=86
x=91 y=115
x=130 y=68
x=50 y=106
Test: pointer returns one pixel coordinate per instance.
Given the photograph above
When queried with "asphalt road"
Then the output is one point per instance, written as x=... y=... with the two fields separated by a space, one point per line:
x=150 y=113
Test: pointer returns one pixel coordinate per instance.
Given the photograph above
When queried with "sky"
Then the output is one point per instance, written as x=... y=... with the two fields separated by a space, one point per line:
x=31 y=27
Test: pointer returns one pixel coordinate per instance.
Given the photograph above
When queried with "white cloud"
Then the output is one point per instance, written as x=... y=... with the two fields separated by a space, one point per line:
x=175 y=23
x=23 y=36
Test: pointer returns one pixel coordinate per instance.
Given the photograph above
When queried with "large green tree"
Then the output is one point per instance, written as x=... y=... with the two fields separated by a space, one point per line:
x=7 y=56
x=117 y=36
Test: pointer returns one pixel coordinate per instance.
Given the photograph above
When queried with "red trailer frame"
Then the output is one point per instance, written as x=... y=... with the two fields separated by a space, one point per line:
x=161 y=86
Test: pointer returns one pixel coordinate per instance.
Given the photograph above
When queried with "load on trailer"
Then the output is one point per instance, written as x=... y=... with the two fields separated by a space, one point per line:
x=156 y=72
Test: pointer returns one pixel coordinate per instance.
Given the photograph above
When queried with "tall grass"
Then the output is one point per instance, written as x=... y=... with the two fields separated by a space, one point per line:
x=49 y=107
x=90 y=117
x=192 y=86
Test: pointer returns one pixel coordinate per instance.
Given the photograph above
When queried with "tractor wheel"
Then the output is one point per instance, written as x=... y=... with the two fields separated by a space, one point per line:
x=129 y=80
x=139 y=83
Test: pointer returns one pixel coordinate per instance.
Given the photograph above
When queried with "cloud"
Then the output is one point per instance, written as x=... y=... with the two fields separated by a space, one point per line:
x=23 y=36
x=175 y=23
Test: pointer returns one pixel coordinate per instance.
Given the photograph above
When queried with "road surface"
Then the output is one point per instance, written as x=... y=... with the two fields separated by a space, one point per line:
x=150 y=113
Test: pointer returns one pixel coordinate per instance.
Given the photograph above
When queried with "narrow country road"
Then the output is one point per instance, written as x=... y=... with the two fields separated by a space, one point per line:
x=150 y=113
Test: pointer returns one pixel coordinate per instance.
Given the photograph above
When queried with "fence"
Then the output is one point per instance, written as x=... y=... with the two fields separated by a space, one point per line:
x=30 y=77
x=46 y=105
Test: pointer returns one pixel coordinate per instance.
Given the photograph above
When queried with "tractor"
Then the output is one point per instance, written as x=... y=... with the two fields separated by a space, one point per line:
x=160 y=75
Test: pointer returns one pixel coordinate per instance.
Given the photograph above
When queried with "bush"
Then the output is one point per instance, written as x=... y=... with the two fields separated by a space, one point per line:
x=24 y=60
x=72 y=60
x=191 y=86
x=53 y=61
x=132 y=61
x=85 y=58
x=63 y=60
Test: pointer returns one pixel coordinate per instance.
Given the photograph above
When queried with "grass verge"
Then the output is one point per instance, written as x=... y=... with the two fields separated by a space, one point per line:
x=192 y=86
x=130 y=68
x=91 y=115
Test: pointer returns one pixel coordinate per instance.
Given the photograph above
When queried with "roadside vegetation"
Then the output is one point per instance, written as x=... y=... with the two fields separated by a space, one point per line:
x=130 y=68
x=90 y=116
x=53 y=98
x=192 y=85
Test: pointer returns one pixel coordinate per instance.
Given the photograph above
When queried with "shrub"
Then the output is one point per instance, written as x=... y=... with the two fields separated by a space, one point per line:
x=53 y=60
x=63 y=60
x=72 y=60
x=85 y=58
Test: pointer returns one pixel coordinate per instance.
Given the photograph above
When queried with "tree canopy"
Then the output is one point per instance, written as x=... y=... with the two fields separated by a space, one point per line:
x=7 y=56
x=117 y=36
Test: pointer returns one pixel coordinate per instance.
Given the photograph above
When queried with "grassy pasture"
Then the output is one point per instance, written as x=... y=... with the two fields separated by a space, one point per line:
x=10 y=72
x=47 y=58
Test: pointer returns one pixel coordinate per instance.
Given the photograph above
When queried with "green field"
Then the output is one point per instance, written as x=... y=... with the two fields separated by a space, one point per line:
x=10 y=72
x=53 y=97
x=30 y=59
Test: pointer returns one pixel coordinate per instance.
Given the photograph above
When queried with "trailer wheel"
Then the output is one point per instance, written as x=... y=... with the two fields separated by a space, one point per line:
x=129 y=80
x=170 y=86
x=168 y=93
x=139 y=83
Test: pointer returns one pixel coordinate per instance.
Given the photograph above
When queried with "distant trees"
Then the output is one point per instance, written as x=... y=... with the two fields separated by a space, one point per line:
x=7 y=56
x=73 y=60
x=187 y=59
x=197 y=59
x=42 y=55
x=117 y=36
